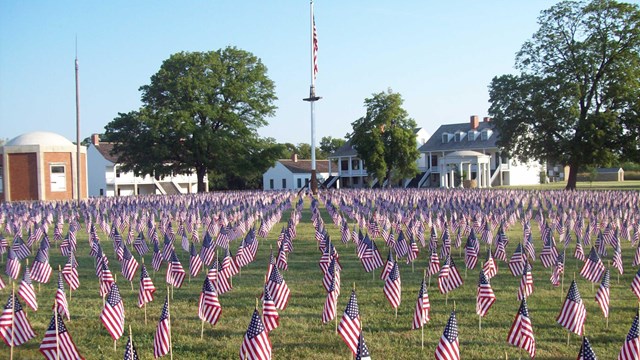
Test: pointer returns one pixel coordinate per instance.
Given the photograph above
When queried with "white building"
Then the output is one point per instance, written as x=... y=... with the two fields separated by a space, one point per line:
x=293 y=174
x=468 y=151
x=106 y=178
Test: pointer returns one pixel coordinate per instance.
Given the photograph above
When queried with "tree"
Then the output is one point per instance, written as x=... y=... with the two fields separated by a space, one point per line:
x=576 y=99
x=384 y=138
x=200 y=112
x=304 y=151
x=329 y=145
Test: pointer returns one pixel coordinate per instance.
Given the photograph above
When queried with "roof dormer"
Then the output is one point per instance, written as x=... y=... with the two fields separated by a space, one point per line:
x=459 y=136
x=472 y=135
x=446 y=137
x=486 y=134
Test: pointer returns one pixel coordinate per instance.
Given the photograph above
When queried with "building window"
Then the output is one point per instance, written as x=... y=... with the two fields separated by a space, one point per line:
x=445 y=138
x=284 y=183
x=101 y=192
x=58 y=178
x=271 y=184
x=355 y=164
x=117 y=172
x=299 y=183
x=344 y=165
x=434 y=160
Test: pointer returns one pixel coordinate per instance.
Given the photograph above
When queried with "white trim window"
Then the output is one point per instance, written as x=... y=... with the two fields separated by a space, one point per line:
x=58 y=177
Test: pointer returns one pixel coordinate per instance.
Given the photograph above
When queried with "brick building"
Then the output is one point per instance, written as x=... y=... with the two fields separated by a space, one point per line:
x=41 y=166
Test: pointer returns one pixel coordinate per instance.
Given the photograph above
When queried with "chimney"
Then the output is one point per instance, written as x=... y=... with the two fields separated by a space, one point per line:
x=294 y=157
x=486 y=119
x=475 y=121
x=95 y=139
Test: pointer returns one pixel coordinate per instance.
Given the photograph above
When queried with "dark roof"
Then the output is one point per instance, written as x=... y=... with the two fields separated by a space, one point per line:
x=435 y=141
x=345 y=150
x=105 y=148
x=304 y=166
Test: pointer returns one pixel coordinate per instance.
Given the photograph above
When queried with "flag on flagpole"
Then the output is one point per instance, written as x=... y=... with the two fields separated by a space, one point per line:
x=57 y=337
x=631 y=347
x=70 y=273
x=209 y=308
x=393 y=287
x=145 y=294
x=363 y=351
x=270 y=316
x=256 y=344
x=61 y=299
x=329 y=311
x=521 y=332
x=449 y=347
x=573 y=313
x=526 y=282
x=484 y=296
x=162 y=338
x=112 y=315
x=423 y=307
x=278 y=289
x=586 y=352
x=349 y=327
x=314 y=45
x=14 y=323
x=602 y=295
x=130 y=352
x=593 y=267
x=26 y=290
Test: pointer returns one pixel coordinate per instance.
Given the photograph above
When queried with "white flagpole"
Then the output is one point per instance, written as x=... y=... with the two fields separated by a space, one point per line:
x=312 y=99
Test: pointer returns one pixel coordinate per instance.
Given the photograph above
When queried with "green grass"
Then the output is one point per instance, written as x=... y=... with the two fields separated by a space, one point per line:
x=301 y=333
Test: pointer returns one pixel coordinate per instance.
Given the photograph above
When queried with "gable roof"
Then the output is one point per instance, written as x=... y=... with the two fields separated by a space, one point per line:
x=304 y=166
x=105 y=148
x=435 y=141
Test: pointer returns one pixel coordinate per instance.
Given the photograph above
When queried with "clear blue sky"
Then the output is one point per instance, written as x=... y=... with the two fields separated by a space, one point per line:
x=440 y=55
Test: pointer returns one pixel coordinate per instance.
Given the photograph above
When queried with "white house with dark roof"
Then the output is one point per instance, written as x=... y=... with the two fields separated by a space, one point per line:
x=106 y=178
x=293 y=174
x=469 y=151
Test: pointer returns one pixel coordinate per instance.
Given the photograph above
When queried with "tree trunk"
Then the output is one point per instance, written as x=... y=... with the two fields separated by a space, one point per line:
x=388 y=179
x=573 y=176
x=200 y=172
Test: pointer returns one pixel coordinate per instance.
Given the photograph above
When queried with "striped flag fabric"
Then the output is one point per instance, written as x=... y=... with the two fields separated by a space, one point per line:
x=12 y=268
x=140 y=245
x=485 y=297
x=490 y=267
x=521 y=332
x=270 y=316
x=195 y=262
x=635 y=284
x=256 y=344
x=106 y=279
x=579 y=252
x=2 y=284
x=330 y=308
x=449 y=347
x=278 y=289
x=332 y=274
x=57 y=337
x=41 y=270
x=363 y=351
x=526 y=282
x=20 y=249
x=558 y=270
x=209 y=308
x=315 y=49
x=423 y=307
x=207 y=252
x=602 y=295
x=129 y=263
x=448 y=277
x=26 y=290
x=471 y=251
x=617 y=259
x=70 y=272
x=145 y=294
x=350 y=327
x=112 y=315
x=586 y=352
x=162 y=337
x=175 y=271
x=631 y=348
x=156 y=260
x=61 y=305
x=516 y=263
x=549 y=252
x=393 y=287
x=593 y=267
x=14 y=325
x=434 y=263
x=573 y=313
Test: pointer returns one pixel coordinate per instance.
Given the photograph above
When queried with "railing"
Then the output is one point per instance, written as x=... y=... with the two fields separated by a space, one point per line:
x=424 y=177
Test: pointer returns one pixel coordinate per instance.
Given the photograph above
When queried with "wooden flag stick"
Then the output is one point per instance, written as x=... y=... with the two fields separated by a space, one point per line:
x=55 y=316
x=446 y=298
x=13 y=315
x=145 y=313
x=202 y=331
x=568 y=337
x=130 y=339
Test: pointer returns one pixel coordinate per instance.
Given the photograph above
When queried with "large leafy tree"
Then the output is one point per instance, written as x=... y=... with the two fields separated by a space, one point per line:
x=384 y=138
x=329 y=145
x=201 y=111
x=576 y=99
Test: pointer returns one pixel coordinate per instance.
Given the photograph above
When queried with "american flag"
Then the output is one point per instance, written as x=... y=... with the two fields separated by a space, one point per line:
x=579 y=252
x=350 y=327
x=388 y=265
x=57 y=337
x=129 y=264
x=449 y=277
x=549 y=253
x=145 y=294
x=270 y=316
x=140 y=244
x=516 y=263
x=393 y=287
x=586 y=352
x=209 y=308
x=484 y=296
x=156 y=261
x=329 y=311
x=332 y=274
x=573 y=313
x=112 y=315
x=195 y=262
x=631 y=348
x=423 y=307
x=175 y=271
x=21 y=249
x=471 y=250
x=413 y=250
x=256 y=344
x=2 y=284
x=401 y=246
x=168 y=249
x=529 y=247
x=636 y=257
x=526 y=282
x=617 y=259
x=490 y=267
x=521 y=332
x=70 y=273
x=448 y=347
x=228 y=267
x=162 y=338
x=315 y=49
x=106 y=279
x=593 y=268
x=278 y=289
x=130 y=352
x=41 y=270
x=363 y=350
x=26 y=290
x=602 y=295
x=61 y=305
x=207 y=252
x=14 y=323
x=281 y=261
x=12 y=269
x=558 y=270
x=434 y=263
x=635 y=284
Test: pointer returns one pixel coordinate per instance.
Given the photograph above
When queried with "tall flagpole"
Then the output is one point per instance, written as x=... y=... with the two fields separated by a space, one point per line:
x=312 y=99
x=78 y=162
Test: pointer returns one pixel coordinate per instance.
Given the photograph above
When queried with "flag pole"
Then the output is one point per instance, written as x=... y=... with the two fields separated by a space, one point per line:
x=169 y=318
x=312 y=99
x=422 y=315
x=130 y=340
x=78 y=167
x=55 y=316
x=13 y=316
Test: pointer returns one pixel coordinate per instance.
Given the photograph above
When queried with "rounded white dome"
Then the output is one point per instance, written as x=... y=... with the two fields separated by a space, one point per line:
x=43 y=138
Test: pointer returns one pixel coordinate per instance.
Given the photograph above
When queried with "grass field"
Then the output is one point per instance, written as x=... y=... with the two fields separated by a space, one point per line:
x=301 y=333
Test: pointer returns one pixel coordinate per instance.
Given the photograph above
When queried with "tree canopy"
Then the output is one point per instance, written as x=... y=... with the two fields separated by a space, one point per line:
x=384 y=138
x=200 y=112
x=576 y=99
x=329 y=145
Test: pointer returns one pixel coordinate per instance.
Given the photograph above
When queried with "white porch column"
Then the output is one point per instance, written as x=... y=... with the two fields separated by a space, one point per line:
x=488 y=175
x=481 y=174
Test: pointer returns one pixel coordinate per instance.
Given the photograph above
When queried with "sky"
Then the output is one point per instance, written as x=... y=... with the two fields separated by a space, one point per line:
x=439 y=55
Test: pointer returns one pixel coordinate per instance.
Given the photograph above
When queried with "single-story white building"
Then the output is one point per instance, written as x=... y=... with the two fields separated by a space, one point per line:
x=293 y=174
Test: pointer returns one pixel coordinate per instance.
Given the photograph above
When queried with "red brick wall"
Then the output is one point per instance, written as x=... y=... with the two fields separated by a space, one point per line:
x=58 y=159
x=23 y=177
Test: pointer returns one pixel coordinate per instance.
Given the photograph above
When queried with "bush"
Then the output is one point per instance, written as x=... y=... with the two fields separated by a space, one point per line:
x=632 y=175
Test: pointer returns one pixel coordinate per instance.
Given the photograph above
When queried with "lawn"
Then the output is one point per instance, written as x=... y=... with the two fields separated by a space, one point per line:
x=301 y=333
